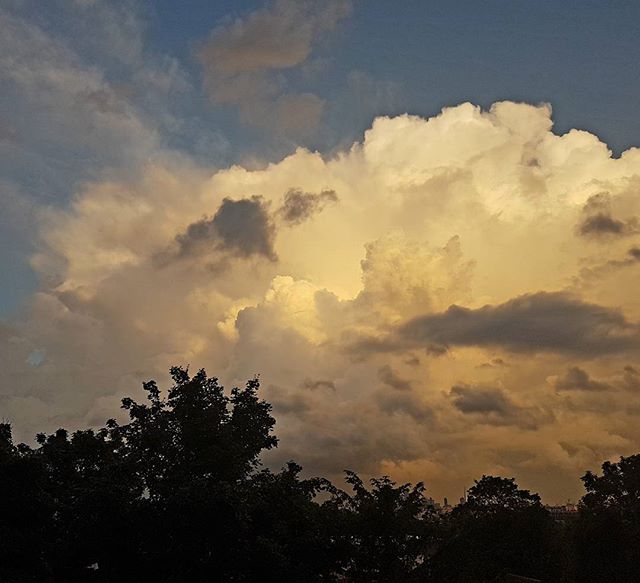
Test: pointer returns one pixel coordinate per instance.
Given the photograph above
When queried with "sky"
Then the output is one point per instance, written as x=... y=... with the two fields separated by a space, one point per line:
x=418 y=223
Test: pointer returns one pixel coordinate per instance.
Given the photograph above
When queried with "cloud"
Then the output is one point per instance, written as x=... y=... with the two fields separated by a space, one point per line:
x=601 y=224
x=243 y=62
x=541 y=321
x=299 y=206
x=494 y=363
x=577 y=379
x=595 y=273
x=319 y=384
x=53 y=97
x=476 y=400
x=598 y=221
x=85 y=97
x=391 y=379
x=434 y=214
x=285 y=402
x=631 y=378
x=405 y=404
x=494 y=407
x=278 y=36
x=241 y=227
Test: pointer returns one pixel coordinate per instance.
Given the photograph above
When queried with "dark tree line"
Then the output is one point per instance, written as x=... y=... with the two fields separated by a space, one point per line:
x=177 y=495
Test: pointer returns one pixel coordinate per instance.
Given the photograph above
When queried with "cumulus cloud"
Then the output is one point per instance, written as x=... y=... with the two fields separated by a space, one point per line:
x=453 y=245
x=243 y=62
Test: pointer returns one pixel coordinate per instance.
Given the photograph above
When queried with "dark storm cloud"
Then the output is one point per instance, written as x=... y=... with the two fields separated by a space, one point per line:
x=240 y=227
x=404 y=403
x=492 y=406
x=468 y=399
x=287 y=402
x=299 y=206
x=530 y=323
x=390 y=378
x=577 y=379
x=634 y=253
x=599 y=222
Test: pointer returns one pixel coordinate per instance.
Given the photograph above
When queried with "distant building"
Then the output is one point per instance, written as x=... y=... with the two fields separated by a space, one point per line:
x=563 y=513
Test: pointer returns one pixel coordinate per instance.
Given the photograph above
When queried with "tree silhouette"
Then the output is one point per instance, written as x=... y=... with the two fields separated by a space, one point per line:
x=499 y=529
x=608 y=531
x=385 y=530
x=177 y=494
x=26 y=513
x=195 y=451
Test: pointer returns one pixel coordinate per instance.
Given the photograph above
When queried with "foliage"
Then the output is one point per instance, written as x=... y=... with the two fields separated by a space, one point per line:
x=608 y=531
x=177 y=494
x=499 y=529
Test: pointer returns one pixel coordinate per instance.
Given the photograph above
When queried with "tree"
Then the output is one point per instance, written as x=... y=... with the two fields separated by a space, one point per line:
x=177 y=494
x=492 y=495
x=26 y=513
x=198 y=433
x=288 y=536
x=384 y=532
x=196 y=451
x=608 y=529
x=160 y=498
x=499 y=529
